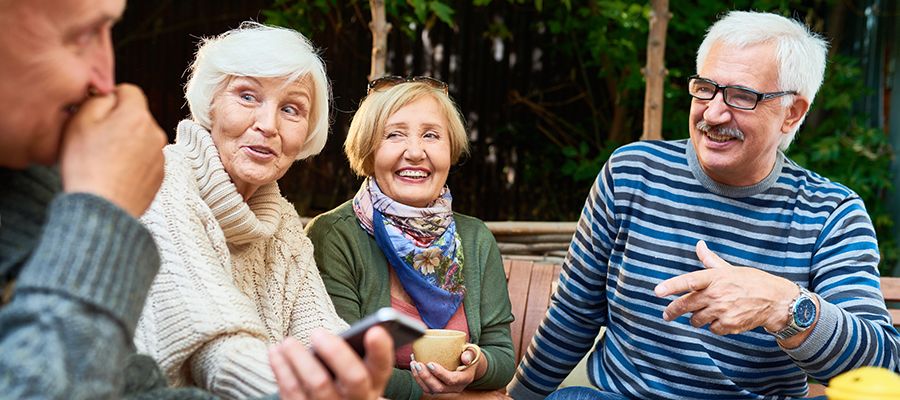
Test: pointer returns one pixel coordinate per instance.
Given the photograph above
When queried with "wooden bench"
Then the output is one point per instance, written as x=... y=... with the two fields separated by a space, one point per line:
x=532 y=280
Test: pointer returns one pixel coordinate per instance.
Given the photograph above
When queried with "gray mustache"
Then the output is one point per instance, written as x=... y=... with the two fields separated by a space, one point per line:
x=704 y=127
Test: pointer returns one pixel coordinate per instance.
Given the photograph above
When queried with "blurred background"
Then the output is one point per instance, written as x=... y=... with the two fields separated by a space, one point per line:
x=548 y=88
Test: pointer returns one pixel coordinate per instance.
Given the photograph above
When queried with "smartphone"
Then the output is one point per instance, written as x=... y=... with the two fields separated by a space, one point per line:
x=402 y=329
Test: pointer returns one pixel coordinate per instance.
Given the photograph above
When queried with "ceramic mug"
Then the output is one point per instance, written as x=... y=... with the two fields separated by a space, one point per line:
x=866 y=383
x=443 y=347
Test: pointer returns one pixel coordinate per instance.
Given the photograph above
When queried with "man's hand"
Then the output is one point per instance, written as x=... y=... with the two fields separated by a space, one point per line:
x=300 y=375
x=730 y=299
x=112 y=148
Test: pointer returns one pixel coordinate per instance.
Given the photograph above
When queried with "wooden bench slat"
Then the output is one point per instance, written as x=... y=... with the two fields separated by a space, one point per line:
x=890 y=287
x=518 y=282
x=540 y=289
x=895 y=316
x=557 y=270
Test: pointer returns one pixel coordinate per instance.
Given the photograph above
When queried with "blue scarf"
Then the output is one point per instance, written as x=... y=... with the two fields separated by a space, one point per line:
x=421 y=245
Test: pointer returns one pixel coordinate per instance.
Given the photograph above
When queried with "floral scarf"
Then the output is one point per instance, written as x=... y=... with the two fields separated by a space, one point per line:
x=422 y=246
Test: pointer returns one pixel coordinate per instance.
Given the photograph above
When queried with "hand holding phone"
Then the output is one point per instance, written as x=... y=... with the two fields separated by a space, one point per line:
x=402 y=329
x=301 y=376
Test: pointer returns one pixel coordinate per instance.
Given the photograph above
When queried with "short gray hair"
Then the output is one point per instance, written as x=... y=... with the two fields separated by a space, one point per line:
x=799 y=52
x=259 y=51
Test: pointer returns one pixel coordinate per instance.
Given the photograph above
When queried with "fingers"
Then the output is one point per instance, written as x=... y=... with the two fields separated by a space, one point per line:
x=689 y=282
x=425 y=376
x=301 y=374
x=289 y=387
x=688 y=303
x=708 y=258
x=112 y=147
x=352 y=376
x=702 y=317
x=693 y=281
x=379 y=357
x=721 y=328
x=96 y=108
x=298 y=374
x=467 y=357
x=434 y=378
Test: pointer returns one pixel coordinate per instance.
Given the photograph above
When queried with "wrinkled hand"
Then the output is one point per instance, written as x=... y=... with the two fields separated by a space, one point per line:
x=730 y=299
x=112 y=148
x=300 y=375
x=433 y=378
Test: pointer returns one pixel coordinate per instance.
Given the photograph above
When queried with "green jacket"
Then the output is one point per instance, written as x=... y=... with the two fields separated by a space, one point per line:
x=357 y=278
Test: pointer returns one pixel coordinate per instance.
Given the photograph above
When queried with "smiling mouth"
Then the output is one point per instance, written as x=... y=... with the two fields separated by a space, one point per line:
x=413 y=174
x=719 y=134
x=719 y=138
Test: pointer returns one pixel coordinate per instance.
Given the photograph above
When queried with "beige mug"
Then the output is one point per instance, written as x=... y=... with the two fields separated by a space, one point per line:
x=444 y=346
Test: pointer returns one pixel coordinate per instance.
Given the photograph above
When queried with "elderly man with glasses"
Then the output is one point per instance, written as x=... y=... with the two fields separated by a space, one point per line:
x=720 y=268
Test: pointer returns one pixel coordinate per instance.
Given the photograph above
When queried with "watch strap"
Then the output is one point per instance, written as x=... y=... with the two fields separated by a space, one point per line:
x=792 y=328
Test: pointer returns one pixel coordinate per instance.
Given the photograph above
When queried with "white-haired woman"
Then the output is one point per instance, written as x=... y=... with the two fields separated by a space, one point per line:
x=238 y=274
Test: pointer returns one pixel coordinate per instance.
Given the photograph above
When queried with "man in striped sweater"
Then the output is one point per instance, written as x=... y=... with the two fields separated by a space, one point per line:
x=720 y=268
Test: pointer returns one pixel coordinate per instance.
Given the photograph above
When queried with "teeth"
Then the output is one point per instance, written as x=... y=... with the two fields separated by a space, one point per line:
x=715 y=137
x=409 y=173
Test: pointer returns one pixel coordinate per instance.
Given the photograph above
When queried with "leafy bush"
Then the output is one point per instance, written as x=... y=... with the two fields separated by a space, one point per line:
x=561 y=123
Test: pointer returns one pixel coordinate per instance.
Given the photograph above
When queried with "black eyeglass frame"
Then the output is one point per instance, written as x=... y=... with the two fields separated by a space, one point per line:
x=393 y=80
x=760 y=96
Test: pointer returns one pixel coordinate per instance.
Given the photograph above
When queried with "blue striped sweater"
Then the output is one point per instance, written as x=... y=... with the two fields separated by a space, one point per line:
x=640 y=224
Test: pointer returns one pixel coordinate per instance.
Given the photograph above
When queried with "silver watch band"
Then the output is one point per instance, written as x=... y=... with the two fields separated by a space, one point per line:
x=792 y=329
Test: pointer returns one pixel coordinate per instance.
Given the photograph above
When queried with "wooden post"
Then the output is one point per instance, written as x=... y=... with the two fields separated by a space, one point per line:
x=380 y=29
x=655 y=71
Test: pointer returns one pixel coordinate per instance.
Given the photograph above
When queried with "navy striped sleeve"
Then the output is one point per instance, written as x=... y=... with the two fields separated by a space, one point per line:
x=578 y=308
x=854 y=328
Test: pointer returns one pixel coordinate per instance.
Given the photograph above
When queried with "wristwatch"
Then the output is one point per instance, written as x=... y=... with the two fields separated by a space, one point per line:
x=803 y=314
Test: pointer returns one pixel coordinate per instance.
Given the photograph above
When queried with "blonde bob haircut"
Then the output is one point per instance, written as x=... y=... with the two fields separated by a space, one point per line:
x=259 y=51
x=367 y=127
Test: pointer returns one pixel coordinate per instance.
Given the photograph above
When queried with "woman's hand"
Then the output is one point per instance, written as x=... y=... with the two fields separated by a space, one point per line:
x=433 y=378
x=301 y=375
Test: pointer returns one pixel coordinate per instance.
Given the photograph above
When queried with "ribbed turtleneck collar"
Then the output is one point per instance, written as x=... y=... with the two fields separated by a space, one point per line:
x=243 y=222
x=727 y=190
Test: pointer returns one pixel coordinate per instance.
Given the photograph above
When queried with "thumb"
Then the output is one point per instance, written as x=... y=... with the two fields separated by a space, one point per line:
x=379 y=356
x=467 y=357
x=708 y=258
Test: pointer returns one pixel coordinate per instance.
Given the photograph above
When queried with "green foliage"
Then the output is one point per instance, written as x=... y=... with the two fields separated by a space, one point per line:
x=843 y=148
x=605 y=42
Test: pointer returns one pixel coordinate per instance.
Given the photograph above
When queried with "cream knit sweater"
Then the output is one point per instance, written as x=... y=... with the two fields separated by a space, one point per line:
x=235 y=278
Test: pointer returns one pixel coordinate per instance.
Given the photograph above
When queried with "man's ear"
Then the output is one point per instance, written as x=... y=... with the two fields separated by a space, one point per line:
x=795 y=113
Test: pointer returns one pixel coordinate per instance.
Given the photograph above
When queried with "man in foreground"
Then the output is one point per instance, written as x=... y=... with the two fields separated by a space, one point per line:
x=75 y=264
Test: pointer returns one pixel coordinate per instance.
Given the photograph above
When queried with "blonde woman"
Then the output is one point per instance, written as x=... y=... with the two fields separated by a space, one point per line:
x=398 y=242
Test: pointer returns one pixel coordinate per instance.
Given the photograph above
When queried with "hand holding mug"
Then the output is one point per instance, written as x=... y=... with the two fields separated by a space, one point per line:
x=442 y=361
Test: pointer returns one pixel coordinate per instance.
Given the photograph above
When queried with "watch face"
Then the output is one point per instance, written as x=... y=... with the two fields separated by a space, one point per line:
x=804 y=312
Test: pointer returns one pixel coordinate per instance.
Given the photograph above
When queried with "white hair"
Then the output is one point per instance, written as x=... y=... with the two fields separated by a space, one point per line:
x=800 y=53
x=256 y=50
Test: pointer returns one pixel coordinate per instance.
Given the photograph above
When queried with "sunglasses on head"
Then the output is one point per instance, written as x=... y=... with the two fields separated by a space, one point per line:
x=393 y=80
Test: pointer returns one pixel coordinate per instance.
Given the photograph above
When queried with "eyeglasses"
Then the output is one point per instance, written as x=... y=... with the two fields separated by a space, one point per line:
x=735 y=96
x=392 y=80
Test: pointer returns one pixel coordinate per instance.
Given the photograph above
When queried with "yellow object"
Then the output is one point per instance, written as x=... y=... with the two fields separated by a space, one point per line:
x=866 y=383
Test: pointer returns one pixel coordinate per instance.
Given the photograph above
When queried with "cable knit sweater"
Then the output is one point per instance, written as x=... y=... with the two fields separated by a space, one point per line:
x=236 y=276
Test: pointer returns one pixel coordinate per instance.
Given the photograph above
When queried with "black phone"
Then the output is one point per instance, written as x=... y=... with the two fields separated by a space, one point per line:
x=402 y=329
